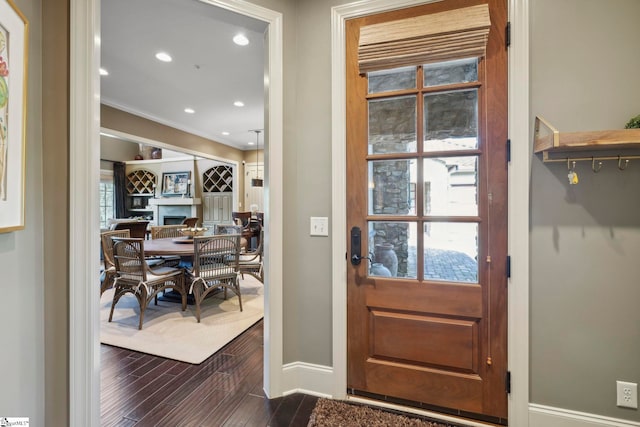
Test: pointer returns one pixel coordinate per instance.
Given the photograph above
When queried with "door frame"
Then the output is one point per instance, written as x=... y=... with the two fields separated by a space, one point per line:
x=518 y=173
x=84 y=149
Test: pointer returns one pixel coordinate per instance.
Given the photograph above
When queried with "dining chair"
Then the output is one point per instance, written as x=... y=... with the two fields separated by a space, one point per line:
x=106 y=242
x=215 y=266
x=190 y=222
x=136 y=277
x=227 y=229
x=251 y=262
x=164 y=232
x=242 y=217
x=137 y=229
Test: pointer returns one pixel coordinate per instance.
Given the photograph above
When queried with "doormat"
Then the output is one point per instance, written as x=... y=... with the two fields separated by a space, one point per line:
x=331 y=413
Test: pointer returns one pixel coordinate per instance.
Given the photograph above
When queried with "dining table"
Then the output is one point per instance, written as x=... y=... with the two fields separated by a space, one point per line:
x=181 y=246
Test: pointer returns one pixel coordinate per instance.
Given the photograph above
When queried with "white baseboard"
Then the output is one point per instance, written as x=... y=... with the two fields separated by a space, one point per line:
x=547 y=416
x=307 y=378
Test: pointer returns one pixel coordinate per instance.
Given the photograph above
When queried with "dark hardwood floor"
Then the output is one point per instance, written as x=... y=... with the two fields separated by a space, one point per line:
x=138 y=389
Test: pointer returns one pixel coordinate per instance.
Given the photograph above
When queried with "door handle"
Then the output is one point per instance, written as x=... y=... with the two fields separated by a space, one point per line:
x=356 y=246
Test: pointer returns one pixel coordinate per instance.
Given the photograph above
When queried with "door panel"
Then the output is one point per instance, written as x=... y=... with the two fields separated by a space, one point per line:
x=427 y=184
x=451 y=341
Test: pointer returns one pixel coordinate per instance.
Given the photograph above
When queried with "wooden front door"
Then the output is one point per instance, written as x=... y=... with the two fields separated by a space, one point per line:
x=427 y=190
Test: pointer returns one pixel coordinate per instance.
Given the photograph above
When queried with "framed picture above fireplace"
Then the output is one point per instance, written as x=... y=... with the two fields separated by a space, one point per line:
x=176 y=183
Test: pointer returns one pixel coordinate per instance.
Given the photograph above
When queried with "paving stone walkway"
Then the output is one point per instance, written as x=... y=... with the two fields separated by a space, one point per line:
x=445 y=265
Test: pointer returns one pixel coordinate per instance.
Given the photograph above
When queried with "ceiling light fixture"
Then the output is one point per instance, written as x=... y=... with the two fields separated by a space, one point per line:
x=257 y=182
x=225 y=133
x=103 y=72
x=189 y=110
x=239 y=104
x=164 y=57
x=240 y=39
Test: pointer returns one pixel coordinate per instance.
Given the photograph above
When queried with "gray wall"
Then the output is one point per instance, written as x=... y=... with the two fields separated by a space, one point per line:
x=307 y=177
x=21 y=266
x=585 y=239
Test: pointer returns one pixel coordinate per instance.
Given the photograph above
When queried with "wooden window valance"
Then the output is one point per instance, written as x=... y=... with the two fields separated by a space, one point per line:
x=454 y=34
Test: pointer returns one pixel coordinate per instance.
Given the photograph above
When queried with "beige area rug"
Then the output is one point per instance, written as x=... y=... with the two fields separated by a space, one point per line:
x=332 y=413
x=169 y=332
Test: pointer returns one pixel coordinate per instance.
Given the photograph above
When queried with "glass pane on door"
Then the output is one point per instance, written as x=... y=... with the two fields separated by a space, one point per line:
x=392 y=187
x=392 y=125
x=451 y=251
x=451 y=120
x=394 y=79
x=392 y=248
x=450 y=72
x=451 y=186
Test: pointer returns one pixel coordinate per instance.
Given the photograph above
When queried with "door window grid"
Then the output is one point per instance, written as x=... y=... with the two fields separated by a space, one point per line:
x=441 y=260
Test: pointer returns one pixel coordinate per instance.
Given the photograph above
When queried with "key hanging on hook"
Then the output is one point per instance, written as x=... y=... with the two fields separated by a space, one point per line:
x=572 y=175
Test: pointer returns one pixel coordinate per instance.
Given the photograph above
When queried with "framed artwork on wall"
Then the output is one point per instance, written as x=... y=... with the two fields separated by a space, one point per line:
x=176 y=183
x=13 y=106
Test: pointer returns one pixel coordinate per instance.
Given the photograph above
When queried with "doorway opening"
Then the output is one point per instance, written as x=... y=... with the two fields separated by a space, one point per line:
x=84 y=324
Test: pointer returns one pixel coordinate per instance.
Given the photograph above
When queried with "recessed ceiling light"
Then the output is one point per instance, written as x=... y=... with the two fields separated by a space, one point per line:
x=239 y=104
x=103 y=72
x=240 y=39
x=189 y=110
x=163 y=56
x=225 y=133
x=251 y=143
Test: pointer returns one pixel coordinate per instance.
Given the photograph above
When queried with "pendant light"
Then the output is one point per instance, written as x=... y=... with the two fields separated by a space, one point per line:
x=257 y=182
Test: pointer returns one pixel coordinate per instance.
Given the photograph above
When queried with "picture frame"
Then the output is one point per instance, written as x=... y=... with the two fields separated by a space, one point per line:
x=176 y=183
x=14 y=52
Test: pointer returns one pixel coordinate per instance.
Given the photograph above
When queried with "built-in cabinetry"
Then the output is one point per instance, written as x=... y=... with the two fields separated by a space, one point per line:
x=140 y=185
x=217 y=195
x=216 y=208
x=594 y=146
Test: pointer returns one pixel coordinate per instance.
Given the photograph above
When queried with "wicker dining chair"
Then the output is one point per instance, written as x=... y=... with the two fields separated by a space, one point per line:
x=251 y=262
x=109 y=273
x=165 y=231
x=136 y=277
x=215 y=266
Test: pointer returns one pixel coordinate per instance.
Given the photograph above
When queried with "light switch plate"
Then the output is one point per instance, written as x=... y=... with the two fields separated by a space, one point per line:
x=319 y=226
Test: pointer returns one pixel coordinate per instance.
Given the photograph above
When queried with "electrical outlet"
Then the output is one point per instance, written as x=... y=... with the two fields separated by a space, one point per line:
x=319 y=226
x=627 y=394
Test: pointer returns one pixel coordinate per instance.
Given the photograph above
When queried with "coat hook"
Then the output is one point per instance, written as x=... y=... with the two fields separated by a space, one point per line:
x=593 y=165
x=626 y=163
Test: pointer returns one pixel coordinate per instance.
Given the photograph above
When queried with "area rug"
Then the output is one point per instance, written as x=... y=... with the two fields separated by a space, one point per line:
x=174 y=334
x=333 y=413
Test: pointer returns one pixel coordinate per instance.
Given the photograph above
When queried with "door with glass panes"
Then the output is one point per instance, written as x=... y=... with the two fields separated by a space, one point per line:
x=426 y=197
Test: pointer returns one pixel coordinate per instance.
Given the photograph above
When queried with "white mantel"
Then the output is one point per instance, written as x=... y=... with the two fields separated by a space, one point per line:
x=174 y=201
x=171 y=203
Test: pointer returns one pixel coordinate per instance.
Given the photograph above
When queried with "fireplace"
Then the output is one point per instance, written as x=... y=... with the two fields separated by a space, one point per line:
x=174 y=208
x=173 y=219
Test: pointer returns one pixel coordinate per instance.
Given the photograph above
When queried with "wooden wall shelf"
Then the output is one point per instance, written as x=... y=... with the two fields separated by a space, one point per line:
x=557 y=146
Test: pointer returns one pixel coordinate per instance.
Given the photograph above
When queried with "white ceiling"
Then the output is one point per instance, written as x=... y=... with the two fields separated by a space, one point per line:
x=209 y=72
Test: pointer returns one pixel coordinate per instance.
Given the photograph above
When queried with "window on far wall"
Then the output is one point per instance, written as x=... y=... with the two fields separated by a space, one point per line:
x=107 y=204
